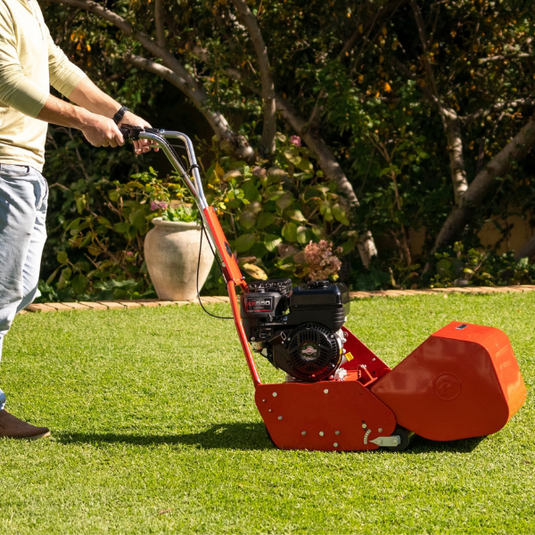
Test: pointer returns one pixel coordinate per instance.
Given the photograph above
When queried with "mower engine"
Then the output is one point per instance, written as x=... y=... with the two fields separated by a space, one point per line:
x=299 y=330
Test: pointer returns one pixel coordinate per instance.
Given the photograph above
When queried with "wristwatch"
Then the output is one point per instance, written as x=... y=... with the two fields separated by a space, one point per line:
x=120 y=114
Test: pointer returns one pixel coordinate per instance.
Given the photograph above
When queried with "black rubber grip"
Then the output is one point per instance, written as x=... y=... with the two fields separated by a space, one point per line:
x=131 y=132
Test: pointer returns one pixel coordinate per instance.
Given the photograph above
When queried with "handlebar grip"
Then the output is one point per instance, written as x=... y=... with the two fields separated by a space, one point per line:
x=132 y=132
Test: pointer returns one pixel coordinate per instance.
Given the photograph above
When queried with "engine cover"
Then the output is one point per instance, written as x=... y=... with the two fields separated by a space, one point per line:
x=311 y=353
x=298 y=330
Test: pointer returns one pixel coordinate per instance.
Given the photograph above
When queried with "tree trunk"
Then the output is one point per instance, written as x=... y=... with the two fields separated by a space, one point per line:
x=527 y=250
x=331 y=168
x=269 y=130
x=455 y=151
x=485 y=183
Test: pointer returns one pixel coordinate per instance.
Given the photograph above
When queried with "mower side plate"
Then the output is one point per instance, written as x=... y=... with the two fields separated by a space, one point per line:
x=326 y=416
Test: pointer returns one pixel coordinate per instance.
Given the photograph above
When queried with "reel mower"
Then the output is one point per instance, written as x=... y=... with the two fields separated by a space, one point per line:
x=462 y=382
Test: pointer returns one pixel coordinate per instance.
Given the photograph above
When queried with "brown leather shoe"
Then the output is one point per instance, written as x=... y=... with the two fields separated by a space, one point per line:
x=11 y=427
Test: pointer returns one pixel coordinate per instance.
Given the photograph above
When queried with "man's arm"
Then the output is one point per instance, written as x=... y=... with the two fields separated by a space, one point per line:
x=90 y=97
x=92 y=116
x=100 y=131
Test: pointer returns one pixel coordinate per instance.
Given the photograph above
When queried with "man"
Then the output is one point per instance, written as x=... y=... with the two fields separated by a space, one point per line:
x=29 y=63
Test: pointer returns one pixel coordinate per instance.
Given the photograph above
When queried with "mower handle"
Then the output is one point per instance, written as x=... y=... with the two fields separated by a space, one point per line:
x=191 y=177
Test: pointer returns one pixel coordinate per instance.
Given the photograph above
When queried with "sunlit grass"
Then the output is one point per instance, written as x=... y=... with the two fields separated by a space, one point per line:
x=154 y=430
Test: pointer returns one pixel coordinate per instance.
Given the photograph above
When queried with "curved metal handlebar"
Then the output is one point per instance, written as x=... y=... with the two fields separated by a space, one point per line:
x=159 y=137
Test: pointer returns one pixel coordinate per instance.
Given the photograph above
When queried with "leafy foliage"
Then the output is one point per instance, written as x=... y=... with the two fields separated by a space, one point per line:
x=358 y=76
x=102 y=253
x=271 y=211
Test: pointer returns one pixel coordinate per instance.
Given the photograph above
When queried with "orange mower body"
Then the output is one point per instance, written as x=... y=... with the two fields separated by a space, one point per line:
x=462 y=382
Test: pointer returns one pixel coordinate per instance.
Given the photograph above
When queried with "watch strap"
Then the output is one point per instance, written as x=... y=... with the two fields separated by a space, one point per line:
x=120 y=114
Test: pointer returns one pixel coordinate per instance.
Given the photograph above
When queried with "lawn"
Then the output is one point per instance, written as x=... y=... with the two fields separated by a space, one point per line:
x=154 y=430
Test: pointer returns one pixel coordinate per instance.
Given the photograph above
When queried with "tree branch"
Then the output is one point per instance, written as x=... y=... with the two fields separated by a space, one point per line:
x=330 y=167
x=507 y=56
x=527 y=250
x=214 y=118
x=176 y=73
x=327 y=161
x=450 y=120
x=159 y=17
x=481 y=114
x=269 y=130
x=485 y=183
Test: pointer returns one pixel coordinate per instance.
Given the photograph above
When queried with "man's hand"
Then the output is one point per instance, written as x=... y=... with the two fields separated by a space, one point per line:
x=102 y=132
x=91 y=98
x=141 y=145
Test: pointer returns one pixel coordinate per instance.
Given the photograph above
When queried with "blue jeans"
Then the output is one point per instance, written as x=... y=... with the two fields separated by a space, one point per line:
x=23 y=204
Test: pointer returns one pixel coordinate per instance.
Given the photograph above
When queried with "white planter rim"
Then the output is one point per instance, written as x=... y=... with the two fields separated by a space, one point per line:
x=177 y=225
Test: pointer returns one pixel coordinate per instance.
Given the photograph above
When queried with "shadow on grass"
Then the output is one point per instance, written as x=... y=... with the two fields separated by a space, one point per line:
x=233 y=436
x=422 y=445
x=244 y=436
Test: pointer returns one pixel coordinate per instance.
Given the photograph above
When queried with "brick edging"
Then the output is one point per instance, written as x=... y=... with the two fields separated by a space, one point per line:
x=148 y=303
x=465 y=290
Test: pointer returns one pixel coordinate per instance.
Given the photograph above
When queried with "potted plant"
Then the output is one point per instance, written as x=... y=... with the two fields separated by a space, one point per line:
x=172 y=252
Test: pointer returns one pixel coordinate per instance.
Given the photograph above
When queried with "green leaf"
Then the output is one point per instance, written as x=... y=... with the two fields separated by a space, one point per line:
x=74 y=224
x=318 y=231
x=62 y=257
x=296 y=215
x=271 y=241
x=103 y=221
x=285 y=201
x=244 y=242
x=326 y=211
x=113 y=195
x=250 y=190
x=122 y=228
x=80 y=283
x=80 y=203
x=275 y=195
x=305 y=165
x=138 y=219
x=247 y=220
x=66 y=274
x=421 y=153
x=303 y=235
x=265 y=220
x=289 y=232
x=83 y=265
x=52 y=277
x=340 y=215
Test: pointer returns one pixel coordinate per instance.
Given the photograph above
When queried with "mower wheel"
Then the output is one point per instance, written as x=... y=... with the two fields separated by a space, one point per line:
x=406 y=437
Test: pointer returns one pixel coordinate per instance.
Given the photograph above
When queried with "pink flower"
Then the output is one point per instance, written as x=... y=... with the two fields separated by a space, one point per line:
x=295 y=140
x=129 y=253
x=322 y=260
x=158 y=205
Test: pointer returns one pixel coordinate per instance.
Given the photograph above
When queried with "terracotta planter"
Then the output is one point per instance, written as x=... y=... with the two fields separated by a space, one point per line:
x=172 y=253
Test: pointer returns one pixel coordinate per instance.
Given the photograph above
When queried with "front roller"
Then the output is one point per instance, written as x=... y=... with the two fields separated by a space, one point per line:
x=462 y=382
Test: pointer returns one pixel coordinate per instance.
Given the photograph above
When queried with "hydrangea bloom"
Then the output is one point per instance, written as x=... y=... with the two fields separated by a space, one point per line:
x=322 y=260
x=295 y=140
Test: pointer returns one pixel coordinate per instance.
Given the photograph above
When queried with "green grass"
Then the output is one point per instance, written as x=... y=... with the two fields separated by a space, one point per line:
x=154 y=430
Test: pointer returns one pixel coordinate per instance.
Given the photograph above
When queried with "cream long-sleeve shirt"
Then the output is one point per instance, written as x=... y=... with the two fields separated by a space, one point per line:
x=29 y=63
